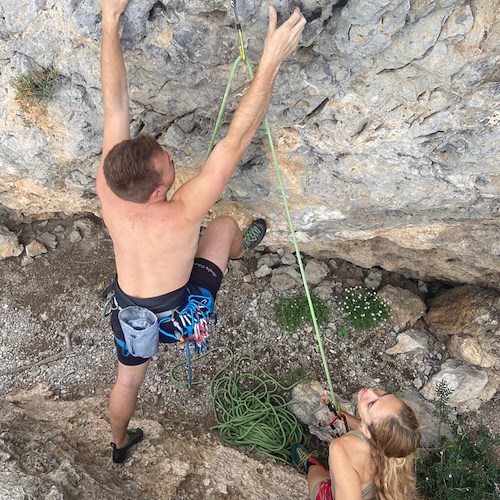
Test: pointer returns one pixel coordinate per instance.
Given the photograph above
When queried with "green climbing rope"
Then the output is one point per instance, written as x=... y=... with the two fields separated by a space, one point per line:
x=250 y=411
x=249 y=406
x=223 y=106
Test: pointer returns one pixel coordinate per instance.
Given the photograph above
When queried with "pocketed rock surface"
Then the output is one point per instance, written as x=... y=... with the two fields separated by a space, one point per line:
x=59 y=361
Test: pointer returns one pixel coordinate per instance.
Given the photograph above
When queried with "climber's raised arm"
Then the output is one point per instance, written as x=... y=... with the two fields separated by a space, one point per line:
x=200 y=193
x=113 y=80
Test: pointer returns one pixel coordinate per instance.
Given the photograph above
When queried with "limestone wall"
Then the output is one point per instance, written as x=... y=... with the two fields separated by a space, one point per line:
x=386 y=120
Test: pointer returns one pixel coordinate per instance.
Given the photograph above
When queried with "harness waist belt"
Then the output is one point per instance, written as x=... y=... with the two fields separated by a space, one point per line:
x=156 y=305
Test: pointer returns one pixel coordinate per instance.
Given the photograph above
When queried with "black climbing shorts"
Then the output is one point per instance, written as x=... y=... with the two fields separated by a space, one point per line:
x=205 y=277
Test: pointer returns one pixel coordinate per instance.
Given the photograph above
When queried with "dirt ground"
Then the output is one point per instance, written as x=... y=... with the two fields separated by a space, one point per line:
x=52 y=307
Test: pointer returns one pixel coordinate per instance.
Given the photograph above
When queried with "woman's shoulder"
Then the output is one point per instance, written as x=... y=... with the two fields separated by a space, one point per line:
x=354 y=448
x=351 y=439
x=351 y=453
x=358 y=434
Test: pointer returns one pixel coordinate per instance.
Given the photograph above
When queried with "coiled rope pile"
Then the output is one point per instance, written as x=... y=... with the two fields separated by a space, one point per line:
x=249 y=406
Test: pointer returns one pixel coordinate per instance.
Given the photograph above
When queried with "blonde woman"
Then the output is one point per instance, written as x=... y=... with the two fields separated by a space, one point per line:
x=374 y=460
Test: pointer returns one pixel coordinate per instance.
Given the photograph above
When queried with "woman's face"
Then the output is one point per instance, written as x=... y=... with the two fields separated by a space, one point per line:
x=375 y=404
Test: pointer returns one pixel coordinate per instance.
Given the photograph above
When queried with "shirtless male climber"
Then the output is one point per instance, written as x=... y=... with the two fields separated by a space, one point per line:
x=160 y=259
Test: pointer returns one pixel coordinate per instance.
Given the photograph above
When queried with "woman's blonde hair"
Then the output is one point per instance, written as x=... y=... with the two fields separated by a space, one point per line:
x=395 y=440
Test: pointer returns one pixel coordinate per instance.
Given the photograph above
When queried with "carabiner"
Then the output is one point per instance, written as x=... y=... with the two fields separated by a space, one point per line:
x=336 y=417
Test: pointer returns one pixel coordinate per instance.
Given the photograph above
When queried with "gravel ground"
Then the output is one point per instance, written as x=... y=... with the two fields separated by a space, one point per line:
x=52 y=329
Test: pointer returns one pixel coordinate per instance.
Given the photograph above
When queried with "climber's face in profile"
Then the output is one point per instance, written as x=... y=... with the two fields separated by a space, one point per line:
x=374 y=404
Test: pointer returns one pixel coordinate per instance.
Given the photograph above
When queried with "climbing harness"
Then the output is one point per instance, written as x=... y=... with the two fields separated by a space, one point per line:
x=333 y=402
x=191 y=325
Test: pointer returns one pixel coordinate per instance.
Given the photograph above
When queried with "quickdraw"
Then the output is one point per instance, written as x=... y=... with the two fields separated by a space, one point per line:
x=238 y=29
x=193 y=325
x=109 y=302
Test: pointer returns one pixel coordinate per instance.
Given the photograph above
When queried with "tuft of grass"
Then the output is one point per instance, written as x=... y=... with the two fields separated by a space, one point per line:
x=464 y=467
x=291 y=313
x=343 y=332
x=363 y=308
x=35 y=87
x=394 y=388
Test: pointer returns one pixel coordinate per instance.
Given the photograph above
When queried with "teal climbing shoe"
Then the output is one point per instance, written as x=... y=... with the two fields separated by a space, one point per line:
x=301 y=457
x=254 y=234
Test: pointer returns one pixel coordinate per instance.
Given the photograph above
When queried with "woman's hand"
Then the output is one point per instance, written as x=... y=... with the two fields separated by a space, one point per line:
x=324 y=398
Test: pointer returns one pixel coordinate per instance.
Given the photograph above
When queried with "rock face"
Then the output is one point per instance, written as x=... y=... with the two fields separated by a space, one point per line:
x=468 y=385
x=406 y=307
x=470 y=317
x=411 y=341
x=467 y=319
x=385 y=120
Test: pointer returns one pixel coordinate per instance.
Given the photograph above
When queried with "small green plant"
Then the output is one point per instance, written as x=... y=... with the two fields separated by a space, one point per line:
x=464 y=467
x=443 y=393
x=343 y=332
x=393 y=388
x=364 y=309
x=293 y=312
x=35 y=87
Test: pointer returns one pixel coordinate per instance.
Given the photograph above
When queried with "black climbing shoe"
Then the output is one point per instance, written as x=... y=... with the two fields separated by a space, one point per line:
x=120 y=454
x=254 y=234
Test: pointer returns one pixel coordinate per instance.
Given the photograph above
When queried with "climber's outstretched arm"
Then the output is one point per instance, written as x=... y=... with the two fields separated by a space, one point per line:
x=200 y=193
x=113 y=80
